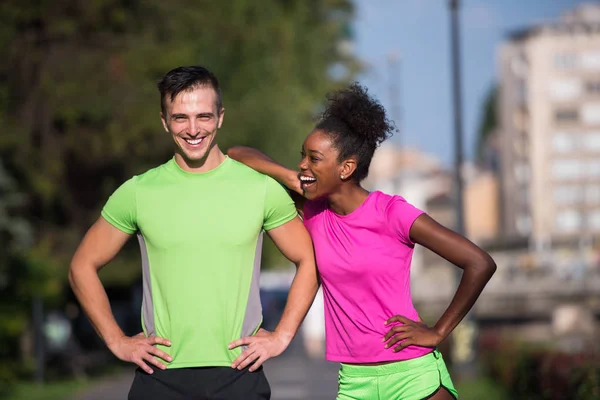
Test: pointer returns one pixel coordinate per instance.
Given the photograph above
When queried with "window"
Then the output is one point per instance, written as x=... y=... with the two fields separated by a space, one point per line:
x=567 y=169
x=592 y=194
x=566 y=115
x=523 y=224
x=567 y=195
x=564 y=142
x=565 y=89
x=593 y=168
x=591 y=142
x=593 y=87
x=593 y=220
x=522 y=173
x=591 y=60
x=568 y=220
x=565 y=61
x=521 y=91
x=590 y=113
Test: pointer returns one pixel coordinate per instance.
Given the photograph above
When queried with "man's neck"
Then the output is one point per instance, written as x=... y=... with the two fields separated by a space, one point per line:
x=213 y=159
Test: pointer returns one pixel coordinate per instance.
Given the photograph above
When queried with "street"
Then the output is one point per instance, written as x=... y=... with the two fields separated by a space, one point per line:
x=293 y=376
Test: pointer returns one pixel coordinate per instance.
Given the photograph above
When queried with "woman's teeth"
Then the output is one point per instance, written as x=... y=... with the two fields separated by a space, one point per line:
x=307 y=179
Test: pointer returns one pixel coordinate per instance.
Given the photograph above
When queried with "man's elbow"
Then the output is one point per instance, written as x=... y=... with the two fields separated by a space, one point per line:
x=78 y=271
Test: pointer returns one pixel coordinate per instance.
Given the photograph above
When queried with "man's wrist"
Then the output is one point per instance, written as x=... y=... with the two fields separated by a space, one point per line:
x=284 y=335
x=113 y=339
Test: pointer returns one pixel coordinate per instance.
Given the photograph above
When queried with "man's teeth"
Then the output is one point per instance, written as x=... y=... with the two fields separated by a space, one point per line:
x=194 y=141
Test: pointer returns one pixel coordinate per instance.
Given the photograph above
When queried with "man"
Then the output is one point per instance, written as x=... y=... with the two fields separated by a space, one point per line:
x=199 y=220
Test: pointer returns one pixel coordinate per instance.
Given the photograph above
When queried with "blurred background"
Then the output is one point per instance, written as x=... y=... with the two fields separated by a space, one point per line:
x=497 y=105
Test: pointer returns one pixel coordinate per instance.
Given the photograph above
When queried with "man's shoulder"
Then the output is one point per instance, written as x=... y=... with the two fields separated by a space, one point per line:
x=151 y=175
x=246 y=172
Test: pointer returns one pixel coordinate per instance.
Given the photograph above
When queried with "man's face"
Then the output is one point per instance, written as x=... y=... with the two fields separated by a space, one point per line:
x=193 y=120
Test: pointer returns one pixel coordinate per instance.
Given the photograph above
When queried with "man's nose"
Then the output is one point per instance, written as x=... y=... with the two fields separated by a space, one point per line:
x=193 y=127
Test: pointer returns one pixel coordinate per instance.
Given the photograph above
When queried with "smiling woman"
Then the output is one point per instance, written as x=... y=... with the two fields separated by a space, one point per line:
x=364 y=243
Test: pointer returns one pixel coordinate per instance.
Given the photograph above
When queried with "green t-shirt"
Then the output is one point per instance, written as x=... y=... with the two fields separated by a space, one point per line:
x=200 y=237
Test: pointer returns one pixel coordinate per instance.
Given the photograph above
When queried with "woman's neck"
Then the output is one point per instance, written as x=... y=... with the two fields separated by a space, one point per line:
x=347 y=199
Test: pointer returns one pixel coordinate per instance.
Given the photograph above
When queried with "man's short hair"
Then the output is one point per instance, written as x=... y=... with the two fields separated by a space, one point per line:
x=183 y=79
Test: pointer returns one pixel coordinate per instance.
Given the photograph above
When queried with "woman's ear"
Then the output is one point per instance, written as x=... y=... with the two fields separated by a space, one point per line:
x=347 y=168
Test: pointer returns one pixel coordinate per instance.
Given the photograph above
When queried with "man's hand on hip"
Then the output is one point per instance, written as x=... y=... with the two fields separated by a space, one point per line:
x=141 y=350
x=261 y=347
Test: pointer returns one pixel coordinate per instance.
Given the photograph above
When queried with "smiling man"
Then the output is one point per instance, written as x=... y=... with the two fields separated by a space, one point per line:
x=199 y=220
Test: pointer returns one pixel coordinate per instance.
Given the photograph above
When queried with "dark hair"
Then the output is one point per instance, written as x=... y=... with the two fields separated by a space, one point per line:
x=182 y=79
x=357 y=124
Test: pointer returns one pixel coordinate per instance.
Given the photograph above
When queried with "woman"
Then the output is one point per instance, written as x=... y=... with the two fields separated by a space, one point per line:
x=364 y=244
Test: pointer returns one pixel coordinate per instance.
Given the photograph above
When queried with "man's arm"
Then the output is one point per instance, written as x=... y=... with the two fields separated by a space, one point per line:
x=99 y=246
x=294 y=242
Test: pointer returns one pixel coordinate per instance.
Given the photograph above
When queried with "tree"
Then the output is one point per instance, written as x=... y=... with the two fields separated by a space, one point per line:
x=78 y=93
x=488 y=124
x=18 y=279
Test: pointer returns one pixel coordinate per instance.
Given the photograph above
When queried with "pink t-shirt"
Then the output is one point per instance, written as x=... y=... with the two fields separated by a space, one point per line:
x=364 y=261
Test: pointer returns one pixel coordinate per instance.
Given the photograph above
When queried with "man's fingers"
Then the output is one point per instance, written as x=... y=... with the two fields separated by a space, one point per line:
x=159 y=340
x=257 y=363
x=249 y=359
x=154 y=361
x=240 y=342
x=145 y=367
x=245 y=354
x=159 y=353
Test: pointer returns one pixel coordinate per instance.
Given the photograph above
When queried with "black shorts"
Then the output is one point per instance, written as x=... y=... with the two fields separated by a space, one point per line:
x=204 y=383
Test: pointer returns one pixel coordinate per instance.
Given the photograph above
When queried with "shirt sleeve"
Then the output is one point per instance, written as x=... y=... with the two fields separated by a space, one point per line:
x=120 y=210
x=402 y=215
x=279 y=206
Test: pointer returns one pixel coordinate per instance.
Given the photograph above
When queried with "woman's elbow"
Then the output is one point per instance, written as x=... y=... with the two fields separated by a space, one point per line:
x=486 y=266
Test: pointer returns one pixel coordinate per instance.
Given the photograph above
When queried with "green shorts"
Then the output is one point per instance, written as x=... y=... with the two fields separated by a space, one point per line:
x=414 y=379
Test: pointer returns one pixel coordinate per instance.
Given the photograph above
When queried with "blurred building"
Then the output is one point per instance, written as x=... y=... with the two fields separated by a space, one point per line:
x=549 y=139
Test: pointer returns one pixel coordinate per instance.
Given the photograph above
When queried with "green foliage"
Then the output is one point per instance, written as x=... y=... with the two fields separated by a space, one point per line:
x=488 y=122
x=80 y=110
x=481 y=389
x=78 y=91
x=540 y=372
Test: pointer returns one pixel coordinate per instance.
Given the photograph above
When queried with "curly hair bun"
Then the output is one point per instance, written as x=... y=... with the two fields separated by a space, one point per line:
x=363 y=115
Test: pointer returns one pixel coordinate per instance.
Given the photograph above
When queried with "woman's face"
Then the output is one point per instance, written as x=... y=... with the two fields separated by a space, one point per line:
x=320 y=170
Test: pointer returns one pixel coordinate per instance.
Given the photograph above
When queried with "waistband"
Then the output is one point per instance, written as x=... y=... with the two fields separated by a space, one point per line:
x=391 y=368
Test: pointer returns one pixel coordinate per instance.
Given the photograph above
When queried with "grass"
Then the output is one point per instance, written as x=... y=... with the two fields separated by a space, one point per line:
x=50 y=391
x=483 y=388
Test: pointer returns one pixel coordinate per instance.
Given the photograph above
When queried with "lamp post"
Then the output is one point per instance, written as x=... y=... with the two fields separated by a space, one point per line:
x=463 y=353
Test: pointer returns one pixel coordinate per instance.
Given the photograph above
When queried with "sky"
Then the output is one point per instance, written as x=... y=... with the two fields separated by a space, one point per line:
x=419 y=32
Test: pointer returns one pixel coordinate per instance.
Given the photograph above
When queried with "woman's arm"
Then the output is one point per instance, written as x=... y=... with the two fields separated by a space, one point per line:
x=478 y=267
x=262 y=163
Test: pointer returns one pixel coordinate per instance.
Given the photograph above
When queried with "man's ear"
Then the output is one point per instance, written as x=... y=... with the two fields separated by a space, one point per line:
x=221 y=115
x=164 y=121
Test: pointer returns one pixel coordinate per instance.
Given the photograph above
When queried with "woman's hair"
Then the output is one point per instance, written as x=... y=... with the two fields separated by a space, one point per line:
x=357 y=125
